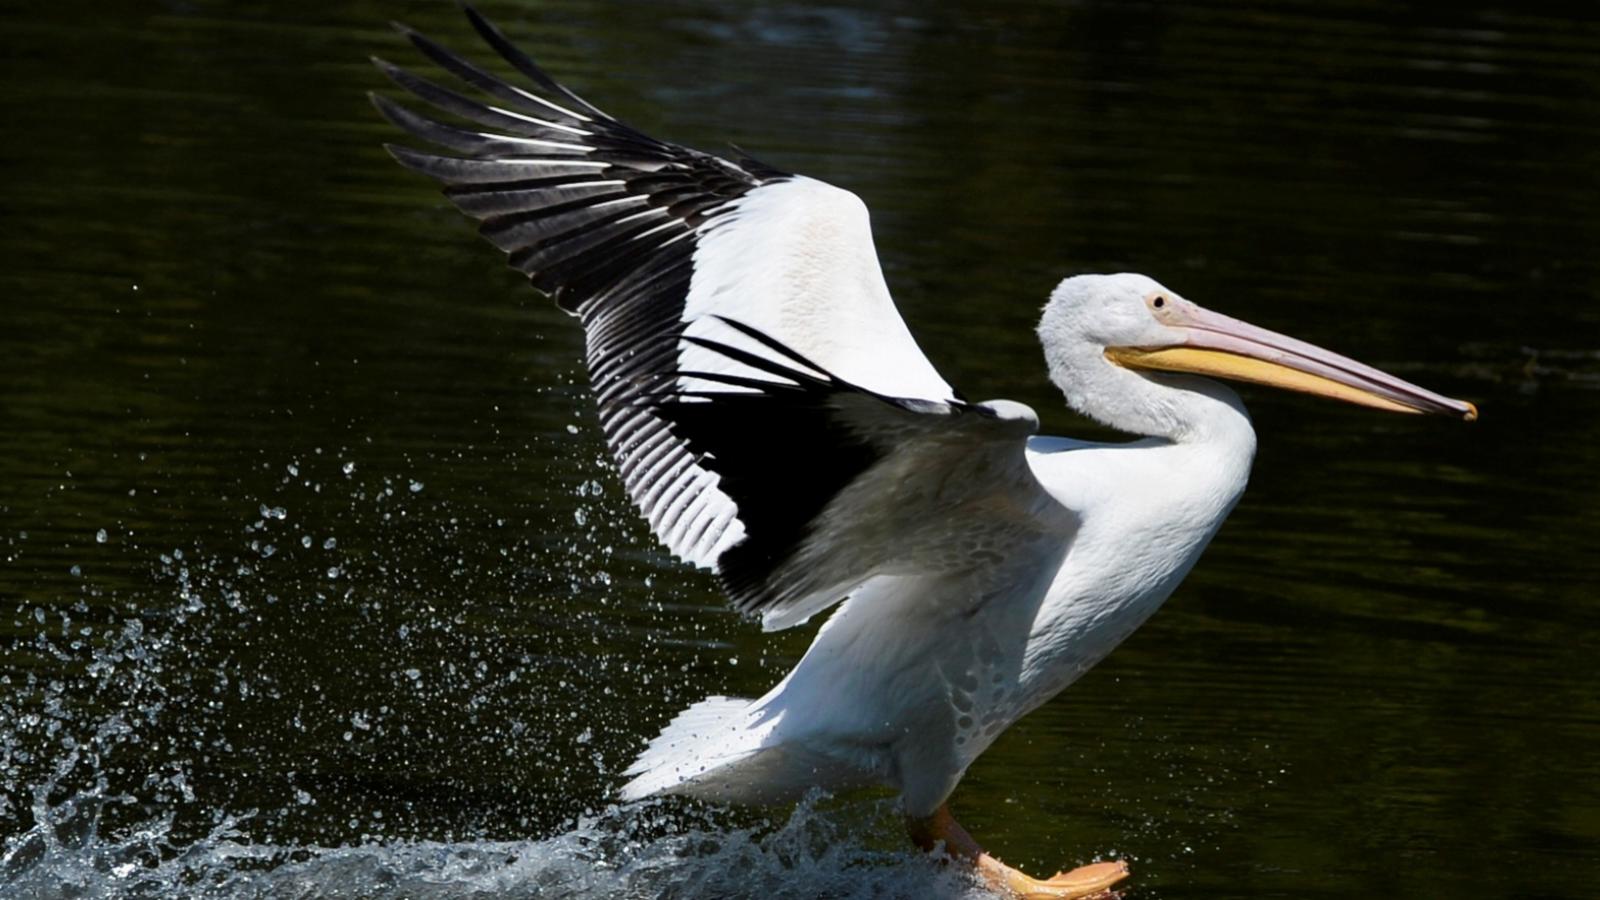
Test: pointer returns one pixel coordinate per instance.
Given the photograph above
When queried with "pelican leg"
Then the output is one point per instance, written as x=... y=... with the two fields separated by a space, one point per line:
x=1091 y=881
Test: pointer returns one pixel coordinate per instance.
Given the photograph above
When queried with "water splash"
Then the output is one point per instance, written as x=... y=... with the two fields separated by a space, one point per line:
x=624 y=852
x=220 y=724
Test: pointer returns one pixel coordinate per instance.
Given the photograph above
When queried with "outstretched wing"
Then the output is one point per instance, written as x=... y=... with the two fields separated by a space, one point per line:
x=659 y=249
x=837 y=483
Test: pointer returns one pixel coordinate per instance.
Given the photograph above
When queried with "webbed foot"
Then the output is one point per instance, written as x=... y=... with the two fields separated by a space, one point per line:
x=1091 y=882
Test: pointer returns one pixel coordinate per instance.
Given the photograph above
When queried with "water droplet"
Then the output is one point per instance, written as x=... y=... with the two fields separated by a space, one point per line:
x=416 y=486
x=328 y=544
x=100 y=536
x=348 y=468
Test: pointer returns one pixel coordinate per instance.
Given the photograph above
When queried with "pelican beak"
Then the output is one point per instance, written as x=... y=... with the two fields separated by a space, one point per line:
x=1224 y=347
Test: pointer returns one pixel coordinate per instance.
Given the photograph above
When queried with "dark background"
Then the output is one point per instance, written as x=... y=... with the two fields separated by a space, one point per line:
x=367 y=581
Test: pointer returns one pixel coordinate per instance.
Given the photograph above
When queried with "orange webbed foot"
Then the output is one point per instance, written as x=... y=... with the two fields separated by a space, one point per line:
x=1091 y=882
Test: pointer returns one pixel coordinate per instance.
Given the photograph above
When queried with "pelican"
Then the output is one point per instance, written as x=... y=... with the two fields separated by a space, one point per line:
x=775 y=422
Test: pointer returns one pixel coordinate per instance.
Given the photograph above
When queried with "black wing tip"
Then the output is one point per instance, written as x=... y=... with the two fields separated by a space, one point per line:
x=380 y=103
x=497 y=40
x=397 y=114
x=522 y=62
x=415 y=160
x=425 y=128
x=409 y=121
x=478 y=20
x=754 y=165
x=427 y=45
x=389 y=69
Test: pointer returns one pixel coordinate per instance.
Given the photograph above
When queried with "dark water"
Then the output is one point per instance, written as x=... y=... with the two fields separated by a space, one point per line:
x=316 y=581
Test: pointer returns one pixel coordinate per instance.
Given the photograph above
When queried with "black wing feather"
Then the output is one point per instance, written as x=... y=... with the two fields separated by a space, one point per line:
x=520 y=61
x=799 y=445
x=607 y=221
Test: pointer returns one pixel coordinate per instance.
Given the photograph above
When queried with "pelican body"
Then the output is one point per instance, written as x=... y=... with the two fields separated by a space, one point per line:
x=775 y=422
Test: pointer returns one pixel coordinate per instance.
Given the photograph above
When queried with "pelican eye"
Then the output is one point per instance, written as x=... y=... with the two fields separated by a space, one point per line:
x=1159 y=301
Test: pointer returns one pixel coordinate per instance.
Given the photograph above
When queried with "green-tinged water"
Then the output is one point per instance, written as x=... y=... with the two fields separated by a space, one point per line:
x=315 y=580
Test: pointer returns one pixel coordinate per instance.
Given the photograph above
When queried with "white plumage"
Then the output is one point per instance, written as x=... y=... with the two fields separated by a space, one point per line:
x=1012 y=564
x=774 y=421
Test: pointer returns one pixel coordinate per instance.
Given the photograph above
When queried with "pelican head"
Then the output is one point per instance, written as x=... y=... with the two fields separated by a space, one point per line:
x=1122 y=348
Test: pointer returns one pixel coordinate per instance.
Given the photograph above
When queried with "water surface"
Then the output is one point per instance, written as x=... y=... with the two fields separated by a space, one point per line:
x=314 y=577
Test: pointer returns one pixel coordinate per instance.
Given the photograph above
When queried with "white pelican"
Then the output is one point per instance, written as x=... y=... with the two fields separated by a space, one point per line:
x=775 y=422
